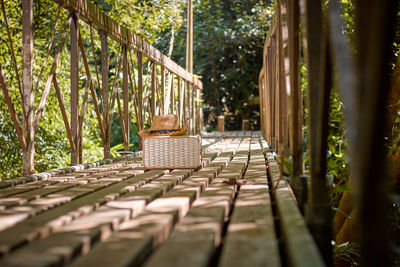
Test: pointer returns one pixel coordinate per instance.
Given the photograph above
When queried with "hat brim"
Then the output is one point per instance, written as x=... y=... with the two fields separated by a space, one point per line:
x=146 y=133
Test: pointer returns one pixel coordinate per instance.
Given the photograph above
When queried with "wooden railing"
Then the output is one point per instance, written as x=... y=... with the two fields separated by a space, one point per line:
x=363 y=84
x=171 y=88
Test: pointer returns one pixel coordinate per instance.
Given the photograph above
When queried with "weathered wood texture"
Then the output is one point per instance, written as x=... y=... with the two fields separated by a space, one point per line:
x=118 y=214
x=297 y=240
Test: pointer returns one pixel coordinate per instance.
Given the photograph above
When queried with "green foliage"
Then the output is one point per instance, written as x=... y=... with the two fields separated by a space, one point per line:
x=144 y=17
x=228 y=45
x=147 y=18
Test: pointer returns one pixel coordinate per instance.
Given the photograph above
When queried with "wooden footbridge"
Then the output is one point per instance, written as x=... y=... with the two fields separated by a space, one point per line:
x=231 y=212
x=239 y=208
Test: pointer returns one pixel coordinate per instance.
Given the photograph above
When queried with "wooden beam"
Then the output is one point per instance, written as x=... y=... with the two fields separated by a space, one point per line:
x=64 y=114
x=318 y=208
x=172 y=97
x=125 y=91
x=375 y=32
x=74 y=37
x=92 y=15
x=104 y=83
x=49 y=81
x=153 y=89
x=189 y=36
x=11 y=109
x=296 y=102
x=162 y=91
x=28 y=129
x=16 y=71
x=92 y=90
x=140 y=88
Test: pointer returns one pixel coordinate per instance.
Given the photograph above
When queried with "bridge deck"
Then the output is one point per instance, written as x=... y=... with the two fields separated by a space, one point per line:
x=234 y=211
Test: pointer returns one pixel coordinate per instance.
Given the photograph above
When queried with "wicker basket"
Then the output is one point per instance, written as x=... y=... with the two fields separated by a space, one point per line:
x=171 y=152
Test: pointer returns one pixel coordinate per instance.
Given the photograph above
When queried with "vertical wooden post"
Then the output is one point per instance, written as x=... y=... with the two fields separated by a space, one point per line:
x=140 y=89
x=186 y=111
x=191 y=108
x=179 y=100
x=318 y=208
x=199 y=112
x=104 y=83
x=282 y=42
x=295 y=90
x=272 y=79
x=189 y=65
x=125 y=93
x=297 y=182
x=261 y=101
x=265 y=94
x=162 y=91
x=194 y=110
x=172 y=97
x=277 y=94
x=375 y=31
x=28 y=166
x=74 y=35
x=221 y=123
x=189 y=37
x=153 y=89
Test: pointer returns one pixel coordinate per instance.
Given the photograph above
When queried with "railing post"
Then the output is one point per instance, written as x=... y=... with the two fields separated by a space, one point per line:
x=375 y=32
x=296 y=107
x=180 y=100
x=153 y=89
x=296 y=96
x=104 y=83
x=186 y=107
x=162 y=91
x=172 y=97
x=221 y=123
x=199 y=111
x=125 y=93
x=28 y=166
x=140 y=89
x=283 y=111
x=318 y=209
x=74 y=35
x=194 y=115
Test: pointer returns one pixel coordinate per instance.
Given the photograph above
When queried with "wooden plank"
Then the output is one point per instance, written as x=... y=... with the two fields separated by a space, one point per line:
x=42 y=224
x=100 y=21
x=23 y=198
x=138 y=236
x=23 y=188
x=196 y=238
x=251 y=239
x=102 y=221
x=299 y=245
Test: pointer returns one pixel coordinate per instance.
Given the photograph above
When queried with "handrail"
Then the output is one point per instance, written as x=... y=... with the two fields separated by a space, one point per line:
x=93 y=16
x=362 y=81
x=185 y=103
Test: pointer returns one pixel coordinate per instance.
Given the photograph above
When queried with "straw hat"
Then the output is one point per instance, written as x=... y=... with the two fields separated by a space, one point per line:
x=164 y=125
